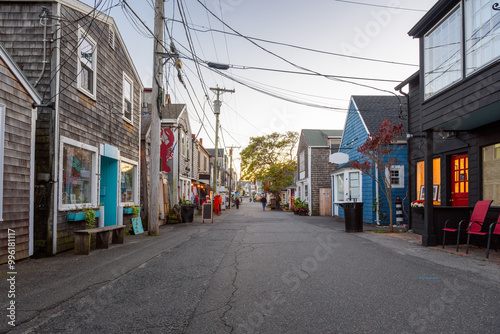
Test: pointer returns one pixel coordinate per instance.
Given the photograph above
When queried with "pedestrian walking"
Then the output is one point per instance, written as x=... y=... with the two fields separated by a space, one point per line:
x=237 y=203
x=264 y=202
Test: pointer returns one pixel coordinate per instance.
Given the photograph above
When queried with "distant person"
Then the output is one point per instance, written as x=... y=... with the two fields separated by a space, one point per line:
x=264 y=202
x=237 y=203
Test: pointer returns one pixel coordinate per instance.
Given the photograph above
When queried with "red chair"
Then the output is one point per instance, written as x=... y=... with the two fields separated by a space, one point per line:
x=492 y=231
x=478 y=215
x=476 y=223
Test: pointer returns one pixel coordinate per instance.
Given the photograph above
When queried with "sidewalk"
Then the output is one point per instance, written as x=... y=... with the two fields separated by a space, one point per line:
x=416 y=239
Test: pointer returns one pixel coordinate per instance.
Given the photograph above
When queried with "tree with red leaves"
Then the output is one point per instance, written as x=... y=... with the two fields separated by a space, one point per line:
x=380 y=154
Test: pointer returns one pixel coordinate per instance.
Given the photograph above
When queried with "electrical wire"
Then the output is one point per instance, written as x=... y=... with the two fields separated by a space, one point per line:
x=381 y=6
x=300 y=47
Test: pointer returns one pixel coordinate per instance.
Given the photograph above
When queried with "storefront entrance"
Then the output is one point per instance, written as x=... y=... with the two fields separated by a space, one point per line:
x=460 y=180
x=109 y=189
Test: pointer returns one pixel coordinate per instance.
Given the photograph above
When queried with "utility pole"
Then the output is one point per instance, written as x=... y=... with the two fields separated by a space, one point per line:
x=217 y=104
x=231 y=171
x=157 y=102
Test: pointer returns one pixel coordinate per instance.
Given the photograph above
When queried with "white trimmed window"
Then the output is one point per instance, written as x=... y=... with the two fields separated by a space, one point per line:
x=397 y=176
x=87 y=64
x=128 y=181
x=78 y=175
x=2 y=139
x=128 y=98
x=302 y=163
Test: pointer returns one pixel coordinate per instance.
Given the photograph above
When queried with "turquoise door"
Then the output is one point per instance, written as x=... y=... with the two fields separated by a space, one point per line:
x=109 y=189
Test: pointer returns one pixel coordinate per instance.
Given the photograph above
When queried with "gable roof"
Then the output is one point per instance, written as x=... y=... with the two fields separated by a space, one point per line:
x=16 y=71
x=104 y=18
x=211 y=151
x=375 y=108
x=172 y=111
x=319 y=138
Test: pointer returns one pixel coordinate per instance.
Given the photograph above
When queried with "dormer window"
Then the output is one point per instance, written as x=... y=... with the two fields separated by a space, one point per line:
x=443 y=53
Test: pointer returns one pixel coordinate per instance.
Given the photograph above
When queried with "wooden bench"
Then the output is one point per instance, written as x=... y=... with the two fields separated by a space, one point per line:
x=82 y=238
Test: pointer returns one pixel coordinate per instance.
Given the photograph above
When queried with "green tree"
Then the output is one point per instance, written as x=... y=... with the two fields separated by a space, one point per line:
x=271 y=158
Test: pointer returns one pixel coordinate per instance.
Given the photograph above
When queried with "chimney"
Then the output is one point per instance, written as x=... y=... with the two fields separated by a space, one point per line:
x=201 y=141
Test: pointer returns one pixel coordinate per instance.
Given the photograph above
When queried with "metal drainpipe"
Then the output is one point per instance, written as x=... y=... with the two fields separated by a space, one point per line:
x=408 y=155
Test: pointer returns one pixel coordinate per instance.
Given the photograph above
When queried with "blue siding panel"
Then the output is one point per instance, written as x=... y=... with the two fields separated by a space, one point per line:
x=354 y=136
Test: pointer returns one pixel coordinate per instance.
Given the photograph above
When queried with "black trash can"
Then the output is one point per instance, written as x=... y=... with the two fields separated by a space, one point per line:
x=353 y=212
x=187 y=213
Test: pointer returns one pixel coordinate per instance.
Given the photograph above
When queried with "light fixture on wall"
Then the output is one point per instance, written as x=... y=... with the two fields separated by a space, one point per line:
x=446 y=134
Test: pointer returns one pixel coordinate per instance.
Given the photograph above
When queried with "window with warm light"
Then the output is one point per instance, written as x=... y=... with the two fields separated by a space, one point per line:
x=436 y=167
x=128 y=181
x=491 y=175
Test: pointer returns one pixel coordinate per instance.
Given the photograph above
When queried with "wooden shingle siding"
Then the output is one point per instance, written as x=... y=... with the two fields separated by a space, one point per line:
x=16 y=176
x=98 y=121
x=320 y=175
x=22 y=37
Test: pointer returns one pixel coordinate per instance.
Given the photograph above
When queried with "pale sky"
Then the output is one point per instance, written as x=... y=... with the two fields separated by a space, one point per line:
x=342 y=27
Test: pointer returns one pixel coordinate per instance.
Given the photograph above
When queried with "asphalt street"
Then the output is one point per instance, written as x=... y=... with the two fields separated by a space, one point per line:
x=256 y=272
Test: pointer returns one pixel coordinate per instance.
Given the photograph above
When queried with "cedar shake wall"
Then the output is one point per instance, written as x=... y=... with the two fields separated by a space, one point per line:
x=97 y=121
x=89 y=121
x=321 y=171
x=17 y=159
x=22 y=37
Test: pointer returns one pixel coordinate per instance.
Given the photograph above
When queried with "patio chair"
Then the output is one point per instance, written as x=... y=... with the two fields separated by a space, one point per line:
x=494 y=229
x=476 y=223
x=478 y=215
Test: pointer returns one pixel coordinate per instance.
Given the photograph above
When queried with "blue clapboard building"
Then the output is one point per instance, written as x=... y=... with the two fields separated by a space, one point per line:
x=365 y=115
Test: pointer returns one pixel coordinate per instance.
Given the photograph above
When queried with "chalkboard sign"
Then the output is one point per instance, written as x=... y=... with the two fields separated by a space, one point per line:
x=137 y=225
x=206 y=213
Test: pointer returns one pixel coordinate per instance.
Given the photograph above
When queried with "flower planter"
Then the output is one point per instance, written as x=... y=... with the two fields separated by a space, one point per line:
x=77 y=216
x=419 y=211
x=129 y=211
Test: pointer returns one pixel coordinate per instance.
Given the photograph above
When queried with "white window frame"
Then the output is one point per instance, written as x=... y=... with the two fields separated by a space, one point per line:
x=127 y=79
x=401 y=176
x=346 y=178
x=302 y=162
x=94 y=172
x=2 y=148
x=82 y=34
x=134 y=183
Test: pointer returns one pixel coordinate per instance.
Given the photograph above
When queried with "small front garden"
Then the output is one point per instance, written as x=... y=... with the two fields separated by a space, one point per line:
x=300 y=208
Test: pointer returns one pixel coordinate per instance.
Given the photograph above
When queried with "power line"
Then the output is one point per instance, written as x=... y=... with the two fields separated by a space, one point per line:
x=382 y=6
x=291 y=63
x=300 y=47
